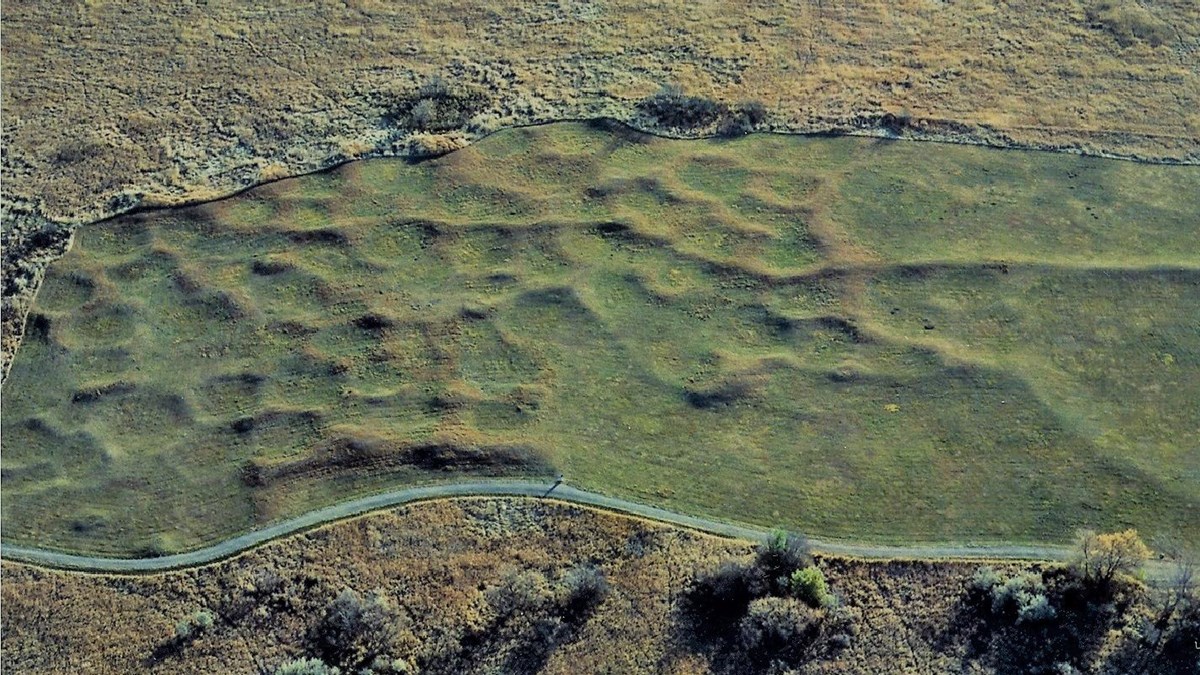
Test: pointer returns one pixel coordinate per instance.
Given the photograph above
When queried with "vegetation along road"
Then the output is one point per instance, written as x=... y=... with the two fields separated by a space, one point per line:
x=236 y=545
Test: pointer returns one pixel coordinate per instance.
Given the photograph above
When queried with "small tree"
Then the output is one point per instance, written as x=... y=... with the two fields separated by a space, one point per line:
x=1101 y=557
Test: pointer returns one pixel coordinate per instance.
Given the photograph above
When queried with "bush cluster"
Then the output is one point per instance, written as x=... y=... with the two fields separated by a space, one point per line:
x=355 y=631
x=1020 y=598
x=437 y=107
x=532 y=613
x=671 y=108
x=772 y=610
x=194 y=625
x=573 y=596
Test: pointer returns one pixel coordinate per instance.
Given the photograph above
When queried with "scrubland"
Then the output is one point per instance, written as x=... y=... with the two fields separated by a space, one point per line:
x=131 y=98
x=471 y=586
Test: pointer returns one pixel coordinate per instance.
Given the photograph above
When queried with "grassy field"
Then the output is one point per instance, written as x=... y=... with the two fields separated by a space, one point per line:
x=849 y=337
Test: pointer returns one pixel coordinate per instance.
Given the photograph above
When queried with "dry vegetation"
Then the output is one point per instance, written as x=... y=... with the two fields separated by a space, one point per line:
x=130 y=100
x=111 y=104
x=478 y=586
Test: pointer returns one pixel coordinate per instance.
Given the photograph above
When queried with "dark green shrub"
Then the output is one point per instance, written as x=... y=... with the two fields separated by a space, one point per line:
x=717 y=601
x=671 y=108
x=779 y=557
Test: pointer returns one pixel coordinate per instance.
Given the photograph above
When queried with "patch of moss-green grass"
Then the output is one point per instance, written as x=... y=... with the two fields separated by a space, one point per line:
x=889 y=341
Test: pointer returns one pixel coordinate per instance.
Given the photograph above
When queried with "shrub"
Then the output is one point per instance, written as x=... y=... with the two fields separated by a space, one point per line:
x=307 y=666
x=437 y=107
x=1005 y=596
x=435 y=87
x=775 y=625
x=985 y=579
x=808 y=585
x=524 y=592
x=754 y=111
x=422 y=145
x=717 y=600
x=195 y=625
x=355 y=631
x=1034 y=608
x=671 y=108
x=897 y=122
x=780 y=556
x=585 y=588
x=742 y=119
x=424 y=114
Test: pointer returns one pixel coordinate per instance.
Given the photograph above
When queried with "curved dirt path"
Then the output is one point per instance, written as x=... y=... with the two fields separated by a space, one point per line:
x=562 y=493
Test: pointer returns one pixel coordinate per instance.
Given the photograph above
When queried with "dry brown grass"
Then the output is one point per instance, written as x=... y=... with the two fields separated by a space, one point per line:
x=436 y=563
x=104 y=99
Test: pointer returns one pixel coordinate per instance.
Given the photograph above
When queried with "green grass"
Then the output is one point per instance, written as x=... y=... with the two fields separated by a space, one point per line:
x=888 y=341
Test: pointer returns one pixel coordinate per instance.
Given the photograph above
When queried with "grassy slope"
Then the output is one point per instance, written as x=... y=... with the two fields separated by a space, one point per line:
x=730 y=328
